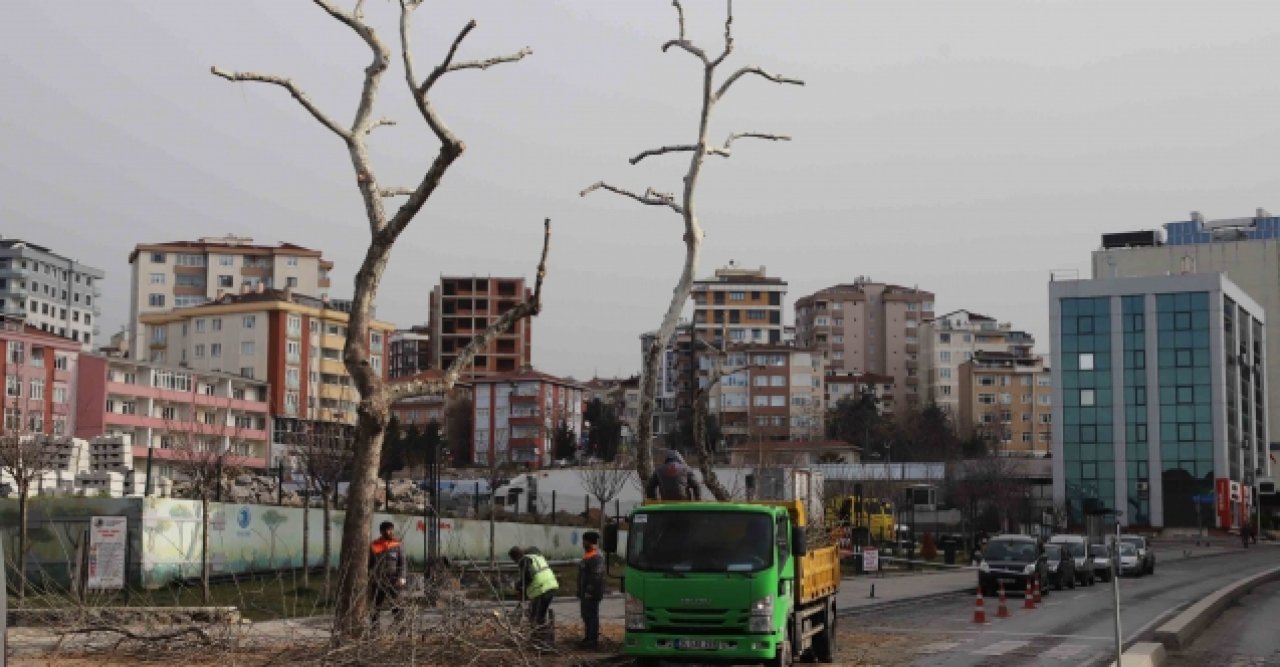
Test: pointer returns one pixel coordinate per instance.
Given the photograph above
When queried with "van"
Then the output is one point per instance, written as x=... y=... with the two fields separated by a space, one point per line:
x=1078 y=547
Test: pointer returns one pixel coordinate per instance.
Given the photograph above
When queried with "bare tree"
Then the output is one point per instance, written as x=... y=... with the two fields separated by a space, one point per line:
x=384 y=229
x=323 y=451
x=685 y=207
x=605 y=480
x=26 y=453
x=205 y=463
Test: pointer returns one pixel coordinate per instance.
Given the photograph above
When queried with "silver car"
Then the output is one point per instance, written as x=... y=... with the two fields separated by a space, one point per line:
x=1101 y=561
x=1145 y=554
x=1130 y=562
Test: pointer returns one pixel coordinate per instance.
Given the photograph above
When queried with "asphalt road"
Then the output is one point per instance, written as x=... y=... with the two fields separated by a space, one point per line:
x=1072 y=627
x=1243 y=636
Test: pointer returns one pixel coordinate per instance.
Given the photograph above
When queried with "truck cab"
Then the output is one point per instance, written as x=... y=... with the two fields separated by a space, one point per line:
x=730 y=582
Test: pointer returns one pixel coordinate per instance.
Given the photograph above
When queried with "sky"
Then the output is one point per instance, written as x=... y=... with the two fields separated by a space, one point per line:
x=969 y=149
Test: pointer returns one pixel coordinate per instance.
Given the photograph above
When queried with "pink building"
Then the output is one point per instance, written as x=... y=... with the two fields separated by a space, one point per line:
x=163 y=410
x=39 y=371
x=515 y=416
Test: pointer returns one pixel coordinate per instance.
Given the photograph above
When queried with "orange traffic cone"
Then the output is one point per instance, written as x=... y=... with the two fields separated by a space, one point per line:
x=1036 y=589
x=979 y=611
x=1029 y=600
x=1002 y=611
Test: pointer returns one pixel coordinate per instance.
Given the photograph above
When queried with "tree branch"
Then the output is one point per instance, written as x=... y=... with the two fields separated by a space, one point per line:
x=678 y=148
x=396 y=192
x=733 y=78
x=293 y=89
x=650 y=197
x=728 y=34
x=688 y=46
x=679 y=16
x=490 y=62
x=528 y=308
x=381 y=122
x=727 y=150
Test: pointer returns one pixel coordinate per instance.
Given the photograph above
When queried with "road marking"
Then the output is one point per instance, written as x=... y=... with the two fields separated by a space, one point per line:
x=1000 y=648
x=1079 y=596
x=991 y=632
x=1065 y=651
x=938 y=647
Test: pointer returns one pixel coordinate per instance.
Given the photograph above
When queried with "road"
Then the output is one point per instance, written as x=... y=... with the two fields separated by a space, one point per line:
x=1243 y=636
x=1072 y=627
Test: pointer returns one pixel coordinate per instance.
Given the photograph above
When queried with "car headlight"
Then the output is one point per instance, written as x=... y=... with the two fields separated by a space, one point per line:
x=984 y=566
x=761 y=618
x=1053 y=567
x=635 y=614
x=1029 y=569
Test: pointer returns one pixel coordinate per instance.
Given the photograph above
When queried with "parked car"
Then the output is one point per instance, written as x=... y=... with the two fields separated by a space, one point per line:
x=1101 y=561
x=1130 y=563
x=1078 y=548
x=1012 y=560
x=1061 y=566
x=1145 y=554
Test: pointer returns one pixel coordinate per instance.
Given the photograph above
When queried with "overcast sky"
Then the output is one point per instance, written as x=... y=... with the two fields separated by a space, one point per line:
x=969 y=148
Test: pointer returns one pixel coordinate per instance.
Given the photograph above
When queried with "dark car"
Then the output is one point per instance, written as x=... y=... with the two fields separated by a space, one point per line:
x=1012 y=561
x=1061 y=566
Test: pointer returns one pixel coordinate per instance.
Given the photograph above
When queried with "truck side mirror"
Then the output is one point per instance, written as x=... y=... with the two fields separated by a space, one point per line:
x=799 y=542
x=611 y=538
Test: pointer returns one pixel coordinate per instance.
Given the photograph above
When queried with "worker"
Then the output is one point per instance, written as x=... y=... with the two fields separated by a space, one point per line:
x=538 y=586
x=386 y=572
x=591 y=575
x=673 y=480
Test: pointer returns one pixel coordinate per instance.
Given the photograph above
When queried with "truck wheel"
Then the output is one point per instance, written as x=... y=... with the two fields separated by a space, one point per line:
x=783 y=657
x=824 y=644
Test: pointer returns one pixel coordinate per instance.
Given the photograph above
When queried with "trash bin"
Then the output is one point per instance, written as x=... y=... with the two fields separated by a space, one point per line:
x=950 y=546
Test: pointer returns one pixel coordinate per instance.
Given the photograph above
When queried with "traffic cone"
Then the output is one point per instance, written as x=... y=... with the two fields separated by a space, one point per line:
x=979 y=611
x=1036 y=589
x=1002 y=611
x=1028 y=600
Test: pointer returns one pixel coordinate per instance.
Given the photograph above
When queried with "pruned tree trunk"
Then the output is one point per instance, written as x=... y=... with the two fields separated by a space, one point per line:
x=687 y=210
x=23 y=507
x=306 y=541
x=328 y=546
x=384 y=229
x=205 y=566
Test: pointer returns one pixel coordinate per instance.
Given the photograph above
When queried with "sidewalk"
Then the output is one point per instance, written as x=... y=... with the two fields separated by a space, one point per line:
x=855 y=592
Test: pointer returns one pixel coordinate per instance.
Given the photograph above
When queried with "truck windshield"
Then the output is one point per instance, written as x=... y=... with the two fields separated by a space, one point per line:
x=700 y=541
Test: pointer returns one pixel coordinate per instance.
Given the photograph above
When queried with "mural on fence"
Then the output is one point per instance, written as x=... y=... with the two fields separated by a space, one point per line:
x=164 y=536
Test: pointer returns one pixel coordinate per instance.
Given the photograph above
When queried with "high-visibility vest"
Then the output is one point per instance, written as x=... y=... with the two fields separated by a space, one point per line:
x=543 y=579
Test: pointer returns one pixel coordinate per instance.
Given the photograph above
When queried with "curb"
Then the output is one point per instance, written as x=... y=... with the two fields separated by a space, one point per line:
x=1178 y=633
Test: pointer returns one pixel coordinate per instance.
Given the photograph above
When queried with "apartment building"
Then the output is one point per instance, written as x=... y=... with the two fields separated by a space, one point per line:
x=1159 y=397
x=515 y=416
x=1006 y=397
x=744 y=304
x=767 y=393
x=676 y=372
x=167 y=414
x=179 y=274
x=839 y=385
x=1246 y=249
x=409 y=352
x=464 y=306
x=39 y=371
x=952 y=339
x=53 y=293
x=871 y=327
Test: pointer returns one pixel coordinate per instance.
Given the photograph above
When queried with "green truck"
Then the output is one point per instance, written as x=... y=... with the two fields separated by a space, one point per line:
x=727 y=582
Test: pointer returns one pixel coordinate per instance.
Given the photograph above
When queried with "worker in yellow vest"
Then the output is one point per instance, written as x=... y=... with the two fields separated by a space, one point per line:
x=538 y=586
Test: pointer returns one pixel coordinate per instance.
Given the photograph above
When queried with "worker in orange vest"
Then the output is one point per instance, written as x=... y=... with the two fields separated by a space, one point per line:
x=387 y=572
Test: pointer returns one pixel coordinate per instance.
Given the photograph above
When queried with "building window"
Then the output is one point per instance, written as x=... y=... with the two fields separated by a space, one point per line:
x=737 y=296
x=247 y=348
x=1087 y=397
x=1086 y=361
x=157 y=279
x=292 y=261
x=246 y=372
x=155 y=300
x=945 y=389
x=291 y=282
x=215 y=350
x=199 y=351
x=226 y=282
x=987 y=399
x=944 y=373
x=157 y=258
x=216 y=324
x=249 y=321
x=226 y=260
x=944 y=356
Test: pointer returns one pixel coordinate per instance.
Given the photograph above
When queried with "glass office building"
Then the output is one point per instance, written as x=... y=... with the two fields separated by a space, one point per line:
x=1160 y=399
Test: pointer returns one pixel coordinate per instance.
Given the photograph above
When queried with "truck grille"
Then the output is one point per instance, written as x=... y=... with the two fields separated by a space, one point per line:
x=678 y=618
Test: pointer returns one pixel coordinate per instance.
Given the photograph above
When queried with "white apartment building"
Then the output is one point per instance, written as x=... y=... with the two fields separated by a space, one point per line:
x=50 y=292
x=179 y=274
x=948 y=341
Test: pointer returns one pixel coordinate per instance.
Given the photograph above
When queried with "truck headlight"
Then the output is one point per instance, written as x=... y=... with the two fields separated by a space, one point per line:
x=1029 y=569
x=761 y=618
x=635 y=614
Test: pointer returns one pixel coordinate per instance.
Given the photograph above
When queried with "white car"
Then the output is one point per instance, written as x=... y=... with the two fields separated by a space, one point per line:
x=1130 y=561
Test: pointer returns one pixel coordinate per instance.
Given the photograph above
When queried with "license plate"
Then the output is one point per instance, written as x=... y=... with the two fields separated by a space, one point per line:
x=697 y=644
x=1008 y=581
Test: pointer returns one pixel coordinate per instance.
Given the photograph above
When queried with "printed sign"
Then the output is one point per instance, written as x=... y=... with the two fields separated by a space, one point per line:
x=870 y=559
x=108 y=537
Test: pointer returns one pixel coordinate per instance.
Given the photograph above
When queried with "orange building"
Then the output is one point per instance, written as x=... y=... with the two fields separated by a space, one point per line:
x=1008 y=398
x=462 y=307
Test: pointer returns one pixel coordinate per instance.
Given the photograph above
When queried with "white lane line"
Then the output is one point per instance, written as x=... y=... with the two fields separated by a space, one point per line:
x=1000 y=648
x=1079 y=596
x=989 y=632
x=937 y=647
x=1066 y=651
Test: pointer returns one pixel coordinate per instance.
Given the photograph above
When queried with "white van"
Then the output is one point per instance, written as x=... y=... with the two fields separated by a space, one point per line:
x=1078 y=548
